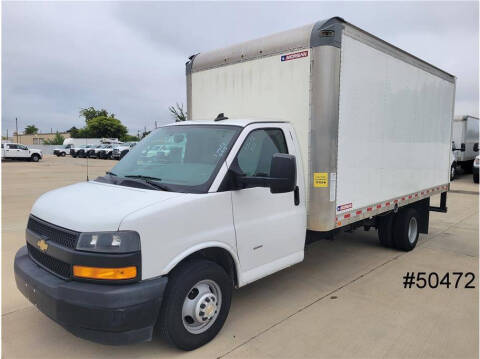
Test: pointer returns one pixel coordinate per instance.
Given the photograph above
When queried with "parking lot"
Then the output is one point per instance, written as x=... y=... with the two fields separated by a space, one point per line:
x=345 y=300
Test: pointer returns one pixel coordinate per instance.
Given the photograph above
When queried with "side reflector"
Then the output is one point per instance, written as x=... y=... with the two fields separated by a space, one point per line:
x=105 y=273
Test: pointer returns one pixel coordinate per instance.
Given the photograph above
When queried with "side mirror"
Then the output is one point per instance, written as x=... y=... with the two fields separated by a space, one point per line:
x=462 y=147
x=283 y=175
x=283 y=167
x=475 y=147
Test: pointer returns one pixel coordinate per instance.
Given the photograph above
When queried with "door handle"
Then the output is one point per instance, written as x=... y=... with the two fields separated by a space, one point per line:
x=296 y=196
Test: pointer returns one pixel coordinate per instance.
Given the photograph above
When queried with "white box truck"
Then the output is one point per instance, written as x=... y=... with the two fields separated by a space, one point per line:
x=465 y=140
x=326 y=123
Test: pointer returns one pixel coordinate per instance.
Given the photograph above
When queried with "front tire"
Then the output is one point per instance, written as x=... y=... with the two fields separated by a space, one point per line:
x=406 y=229
x=63 y=154
x=196 y=304
x=35 y=158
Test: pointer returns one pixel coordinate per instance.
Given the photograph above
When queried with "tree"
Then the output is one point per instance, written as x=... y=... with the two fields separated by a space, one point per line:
x=30 y=130
x=177 y=112
x=103 y=126
x=74 y=132
x=57 y=140
x=90 y=113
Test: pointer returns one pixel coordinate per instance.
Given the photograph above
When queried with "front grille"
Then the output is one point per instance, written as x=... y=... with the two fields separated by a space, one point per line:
x=116 y=151
x=54 y=265
x=61 y=236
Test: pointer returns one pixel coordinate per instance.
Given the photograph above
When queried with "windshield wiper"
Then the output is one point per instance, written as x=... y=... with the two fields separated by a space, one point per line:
x=111 y=173
x=151 y=181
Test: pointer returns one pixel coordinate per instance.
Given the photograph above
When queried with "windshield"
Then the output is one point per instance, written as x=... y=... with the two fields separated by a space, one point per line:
x=181 y=158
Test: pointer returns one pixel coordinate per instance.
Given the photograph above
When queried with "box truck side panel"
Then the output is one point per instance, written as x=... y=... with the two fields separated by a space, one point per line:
x=271 y=88
x=394 y=127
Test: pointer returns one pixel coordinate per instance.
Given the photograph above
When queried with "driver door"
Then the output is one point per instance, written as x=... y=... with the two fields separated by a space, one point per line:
x=270 y=228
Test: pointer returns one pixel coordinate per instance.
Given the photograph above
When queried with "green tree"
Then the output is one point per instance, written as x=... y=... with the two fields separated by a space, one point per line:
x=73 y=132
x=90 y=113
x=31 y=130
x=57 y=140
x=177 y=112
x=104 y=126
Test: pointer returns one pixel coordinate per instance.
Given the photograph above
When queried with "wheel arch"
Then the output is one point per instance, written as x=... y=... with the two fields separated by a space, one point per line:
x=214 y=251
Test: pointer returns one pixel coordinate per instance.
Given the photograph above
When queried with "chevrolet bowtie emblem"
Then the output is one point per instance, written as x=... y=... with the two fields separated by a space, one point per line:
x=42 y=245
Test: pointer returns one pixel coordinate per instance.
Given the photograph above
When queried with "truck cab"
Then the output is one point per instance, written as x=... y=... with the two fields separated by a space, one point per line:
x=20 y=152
x=242 y=183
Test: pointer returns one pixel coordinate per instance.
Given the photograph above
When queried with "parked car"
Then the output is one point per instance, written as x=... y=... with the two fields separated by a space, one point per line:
x=120 y=151
x=82 y=152
x=75 y=149
x=16 y=151
x=62 y=151
x=476 y=165
x=106 y=153
x=255 y=190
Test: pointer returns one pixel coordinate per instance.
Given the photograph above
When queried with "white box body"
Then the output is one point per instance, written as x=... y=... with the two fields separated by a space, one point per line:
x=374 y=122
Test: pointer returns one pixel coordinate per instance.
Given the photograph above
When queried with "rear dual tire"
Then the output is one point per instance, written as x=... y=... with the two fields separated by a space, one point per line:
x=400 y=230
x=196 y=304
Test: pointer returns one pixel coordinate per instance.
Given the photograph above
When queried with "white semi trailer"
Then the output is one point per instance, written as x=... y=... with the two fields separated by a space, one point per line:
x=328 y=123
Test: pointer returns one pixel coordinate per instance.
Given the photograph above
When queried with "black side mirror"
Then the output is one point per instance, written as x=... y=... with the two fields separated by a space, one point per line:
x=283 y=175
x=475 y=147
x=462 y=147
x=283 y=167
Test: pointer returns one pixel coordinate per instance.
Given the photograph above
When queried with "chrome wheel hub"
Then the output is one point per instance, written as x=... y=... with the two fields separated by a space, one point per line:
x=412 y=230
x=201 y=306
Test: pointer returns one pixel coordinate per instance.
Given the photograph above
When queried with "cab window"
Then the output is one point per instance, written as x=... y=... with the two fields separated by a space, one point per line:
x=255 y=156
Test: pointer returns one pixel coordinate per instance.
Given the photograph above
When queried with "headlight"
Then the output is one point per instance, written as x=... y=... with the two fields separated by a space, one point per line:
x=109 y=242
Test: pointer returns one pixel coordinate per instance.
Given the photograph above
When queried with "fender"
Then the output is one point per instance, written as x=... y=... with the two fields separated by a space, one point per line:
x=200 y=246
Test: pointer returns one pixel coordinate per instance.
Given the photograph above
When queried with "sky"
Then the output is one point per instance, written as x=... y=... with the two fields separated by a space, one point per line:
x=129 y=57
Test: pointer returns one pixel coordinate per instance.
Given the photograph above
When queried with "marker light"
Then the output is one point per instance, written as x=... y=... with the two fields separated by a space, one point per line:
x=105 y=273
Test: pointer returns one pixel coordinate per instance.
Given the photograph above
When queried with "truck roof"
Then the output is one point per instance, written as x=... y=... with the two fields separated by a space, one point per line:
x=231 y=122
x=323 y=32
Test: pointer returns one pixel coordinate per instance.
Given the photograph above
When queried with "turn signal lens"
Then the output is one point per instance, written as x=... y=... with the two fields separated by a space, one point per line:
x=105 y=273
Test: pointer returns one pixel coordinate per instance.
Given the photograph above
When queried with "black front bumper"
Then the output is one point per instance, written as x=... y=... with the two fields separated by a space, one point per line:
x=105 y=313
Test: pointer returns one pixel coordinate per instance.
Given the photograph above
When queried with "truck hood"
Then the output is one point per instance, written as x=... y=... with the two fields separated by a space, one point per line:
x=93 y=206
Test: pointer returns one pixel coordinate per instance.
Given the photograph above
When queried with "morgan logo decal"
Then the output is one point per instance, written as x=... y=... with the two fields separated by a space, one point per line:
x=344 y=207
x=294 y=56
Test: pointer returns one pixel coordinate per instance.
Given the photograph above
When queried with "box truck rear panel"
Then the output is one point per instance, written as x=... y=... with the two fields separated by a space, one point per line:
x=394 y=127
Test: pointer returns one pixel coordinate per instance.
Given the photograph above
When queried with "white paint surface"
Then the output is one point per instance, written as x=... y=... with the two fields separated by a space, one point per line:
x=394 y=127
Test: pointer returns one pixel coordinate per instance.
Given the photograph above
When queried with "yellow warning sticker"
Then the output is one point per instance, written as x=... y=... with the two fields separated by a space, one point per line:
x=320 y=179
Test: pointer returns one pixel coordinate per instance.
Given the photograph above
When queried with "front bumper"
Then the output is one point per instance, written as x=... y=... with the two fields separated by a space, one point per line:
x=105 y=313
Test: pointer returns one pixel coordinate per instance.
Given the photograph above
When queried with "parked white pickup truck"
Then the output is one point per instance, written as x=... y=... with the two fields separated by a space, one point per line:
x=165 y=236
x=15 y=151
x=121 y=150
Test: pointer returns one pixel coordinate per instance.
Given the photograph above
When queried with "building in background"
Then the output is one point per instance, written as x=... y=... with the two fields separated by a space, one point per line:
x=36 y=139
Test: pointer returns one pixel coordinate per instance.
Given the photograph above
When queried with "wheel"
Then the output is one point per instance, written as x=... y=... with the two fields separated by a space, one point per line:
x=475 y=178
x=63 y=154
x=35 y=158
x=452 y=173
x=405 y=229
x=385 y=230
x=196 y=304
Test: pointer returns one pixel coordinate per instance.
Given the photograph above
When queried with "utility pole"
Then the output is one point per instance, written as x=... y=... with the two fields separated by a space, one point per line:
x=16 y=126
x=7 y=134
x=155 y=124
